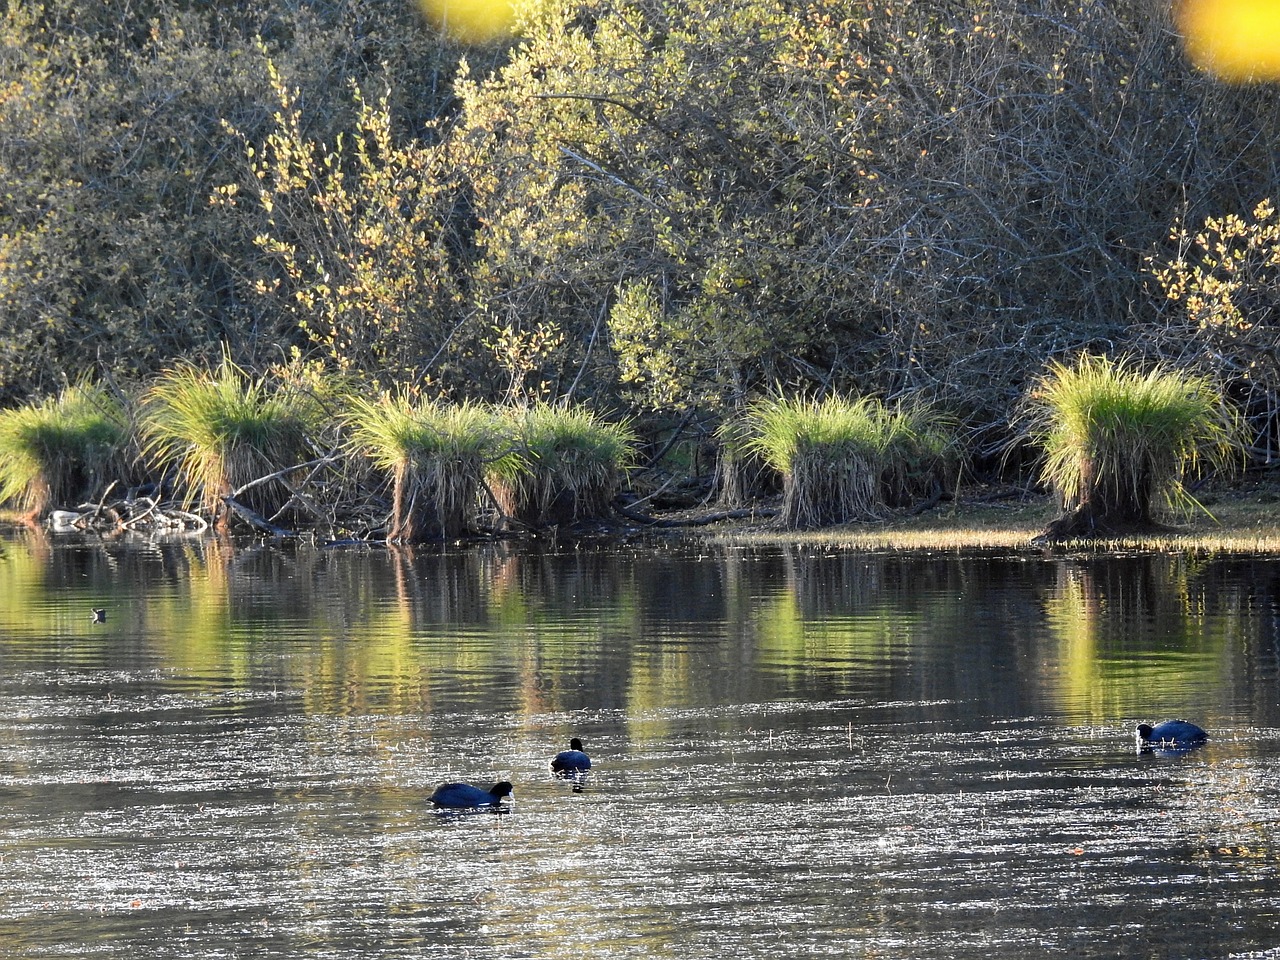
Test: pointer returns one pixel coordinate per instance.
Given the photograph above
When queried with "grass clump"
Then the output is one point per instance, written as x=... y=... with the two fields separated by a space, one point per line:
x=848 y=458
x=569 y=465
x=1120 y=442
x=59 y=450
x=742 y=475
x=435 y=454
x=922 y=455
x=222 y=429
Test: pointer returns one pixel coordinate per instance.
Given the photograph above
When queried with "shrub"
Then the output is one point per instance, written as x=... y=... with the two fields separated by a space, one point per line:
x=57 y=451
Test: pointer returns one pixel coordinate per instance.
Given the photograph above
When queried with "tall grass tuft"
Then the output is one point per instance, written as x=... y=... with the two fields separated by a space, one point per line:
x=568 y=467
x=829 y=452
x=921 y=454
x=435 y=454
x=846 y=459
x=58 y=451
x=224 y=428
x=1120 y=443
x=742 y=475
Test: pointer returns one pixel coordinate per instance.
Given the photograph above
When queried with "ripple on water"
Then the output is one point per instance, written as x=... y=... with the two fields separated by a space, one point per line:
x=265 y=793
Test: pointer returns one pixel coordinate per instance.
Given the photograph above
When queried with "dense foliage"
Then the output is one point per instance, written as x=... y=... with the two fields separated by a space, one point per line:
x=671 y=207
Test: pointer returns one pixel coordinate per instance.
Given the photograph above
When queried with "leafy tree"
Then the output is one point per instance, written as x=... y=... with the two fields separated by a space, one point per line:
x=630 y=180
x=112 y=139
x=910 y=198
x=356 y=232
x=1224 y=286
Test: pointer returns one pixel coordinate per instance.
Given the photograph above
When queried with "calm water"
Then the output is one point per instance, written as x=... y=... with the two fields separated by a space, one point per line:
x=797 y=753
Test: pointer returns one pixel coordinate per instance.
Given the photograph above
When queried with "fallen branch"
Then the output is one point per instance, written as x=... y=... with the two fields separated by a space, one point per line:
x=749 y=513
x=256 y=519
x=327 y=458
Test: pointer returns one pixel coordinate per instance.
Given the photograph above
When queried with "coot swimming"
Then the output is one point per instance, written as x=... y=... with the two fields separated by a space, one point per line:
x=571 y=761
x=463 y=796
x=1171 y=734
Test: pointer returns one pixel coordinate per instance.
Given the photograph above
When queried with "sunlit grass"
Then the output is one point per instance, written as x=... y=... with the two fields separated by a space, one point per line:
x=846 y=459
x=54 y=452
x=568 y=464
x=1126 y=440
x=221 y=429
x=435 y=454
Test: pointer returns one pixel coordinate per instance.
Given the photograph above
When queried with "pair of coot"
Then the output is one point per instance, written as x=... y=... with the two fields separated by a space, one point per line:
x=464 y=796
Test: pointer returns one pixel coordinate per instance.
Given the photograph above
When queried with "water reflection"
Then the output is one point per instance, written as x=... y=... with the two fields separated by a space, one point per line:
x=795 y=752
x=356 y=630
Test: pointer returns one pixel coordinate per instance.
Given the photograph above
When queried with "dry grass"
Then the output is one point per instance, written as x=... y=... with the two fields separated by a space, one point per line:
x=1244 y=518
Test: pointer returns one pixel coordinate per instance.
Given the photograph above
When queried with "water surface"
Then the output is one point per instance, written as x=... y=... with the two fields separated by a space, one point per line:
x=797 y=753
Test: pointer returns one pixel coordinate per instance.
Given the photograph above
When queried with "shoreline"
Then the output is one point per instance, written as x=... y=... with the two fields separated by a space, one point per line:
x=1240 y=517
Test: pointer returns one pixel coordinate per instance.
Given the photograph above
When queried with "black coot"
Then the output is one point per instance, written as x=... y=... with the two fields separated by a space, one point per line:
x=463 y=796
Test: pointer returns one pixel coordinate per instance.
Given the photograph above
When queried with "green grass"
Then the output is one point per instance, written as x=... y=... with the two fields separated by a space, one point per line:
x=846 y=459
x=1125 y=440
x=435 y=454
x=55 y=452
x=568 y=466
x=221 y=429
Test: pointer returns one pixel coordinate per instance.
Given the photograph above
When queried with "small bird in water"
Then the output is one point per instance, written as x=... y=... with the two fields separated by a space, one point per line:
x=1176 y=736
x=571 y=762
x=463 y=796
x=98 y=615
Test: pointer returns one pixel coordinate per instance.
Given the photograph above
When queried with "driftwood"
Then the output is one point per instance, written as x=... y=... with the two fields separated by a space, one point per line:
x=131 y=513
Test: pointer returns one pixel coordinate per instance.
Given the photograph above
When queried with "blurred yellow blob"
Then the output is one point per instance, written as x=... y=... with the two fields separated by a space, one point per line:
x=473 y=21
x=1233 y=39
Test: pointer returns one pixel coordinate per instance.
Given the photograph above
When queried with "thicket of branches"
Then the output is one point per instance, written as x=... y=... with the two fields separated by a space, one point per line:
x=669 y=206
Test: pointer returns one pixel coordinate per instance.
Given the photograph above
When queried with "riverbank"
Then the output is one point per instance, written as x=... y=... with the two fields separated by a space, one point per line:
x=1240 y=517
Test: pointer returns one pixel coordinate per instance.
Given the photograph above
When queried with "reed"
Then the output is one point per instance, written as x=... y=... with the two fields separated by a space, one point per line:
x=223 y=428
x=1120 y=443
x=58 y=451
x=569 y=466
x=435 y=454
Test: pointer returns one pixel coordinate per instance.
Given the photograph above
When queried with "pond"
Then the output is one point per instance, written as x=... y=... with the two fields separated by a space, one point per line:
x=796 y=752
